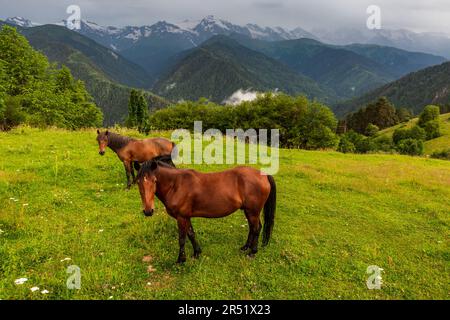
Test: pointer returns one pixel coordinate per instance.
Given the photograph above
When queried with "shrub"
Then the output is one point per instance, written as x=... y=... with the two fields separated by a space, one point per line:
x=412 y=147
x=365 y=145
x=384 y=144
x=302 y=123
x=11 y=113
x=346 y=145
x=415 y=132
x=372 y=130
x=429 y=113
x=443 y=154
x=432 y=129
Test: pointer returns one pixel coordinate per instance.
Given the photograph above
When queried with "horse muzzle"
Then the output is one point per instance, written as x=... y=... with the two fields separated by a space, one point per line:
x=102 y=153
x=148 y=213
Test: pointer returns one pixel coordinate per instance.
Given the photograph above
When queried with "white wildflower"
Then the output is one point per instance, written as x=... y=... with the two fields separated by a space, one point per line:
x=21 y=281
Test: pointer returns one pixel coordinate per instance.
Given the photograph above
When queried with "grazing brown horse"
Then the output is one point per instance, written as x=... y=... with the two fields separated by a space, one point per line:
x=133 y=152
x=190 y=194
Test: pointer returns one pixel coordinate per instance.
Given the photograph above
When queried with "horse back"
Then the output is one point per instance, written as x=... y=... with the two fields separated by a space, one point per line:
x=148 y=149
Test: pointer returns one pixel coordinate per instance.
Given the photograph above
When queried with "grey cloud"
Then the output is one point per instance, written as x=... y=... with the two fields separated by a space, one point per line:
x=430 y=15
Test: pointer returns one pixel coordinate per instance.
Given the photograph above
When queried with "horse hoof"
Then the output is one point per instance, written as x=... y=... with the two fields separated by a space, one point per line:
x=197 y=255
x=181 y=260
x=251 y=255
x=244 y=248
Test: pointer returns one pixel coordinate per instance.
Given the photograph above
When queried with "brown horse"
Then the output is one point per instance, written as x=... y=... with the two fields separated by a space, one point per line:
x=133 y=152
x=190 y=194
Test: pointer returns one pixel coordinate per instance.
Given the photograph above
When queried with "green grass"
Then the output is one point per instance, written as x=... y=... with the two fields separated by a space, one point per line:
x=337 y=214
x=430 y=146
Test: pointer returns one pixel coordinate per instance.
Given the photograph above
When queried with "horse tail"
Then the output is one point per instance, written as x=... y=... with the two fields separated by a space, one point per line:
x=137 y=166
x=269 y=211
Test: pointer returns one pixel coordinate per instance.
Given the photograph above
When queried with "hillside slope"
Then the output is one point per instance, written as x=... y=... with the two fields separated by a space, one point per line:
x=414 y=91
x=337 y=214
x=399 y=62
x=105 y=73
x=349 y=70
x=221 y=66
x=59 y=42
x=438 y=144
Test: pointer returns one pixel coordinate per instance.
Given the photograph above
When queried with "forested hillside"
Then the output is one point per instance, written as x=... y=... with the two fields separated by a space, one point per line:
x=221 y=66
x=414 y=91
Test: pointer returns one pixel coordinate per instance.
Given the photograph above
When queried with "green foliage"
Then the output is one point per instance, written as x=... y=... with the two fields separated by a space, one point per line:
x=429 y=113
x=381 y=114
x=415 y=132
x=412 y=147
x=404 y=115
x=138 y=112
x=38 y=93
x=353 y=142
x=11 y=113
x=384 y=144
x=432 y=129
x=443 y=154
x=372 y=130
x=346 y=145
x=302 y=123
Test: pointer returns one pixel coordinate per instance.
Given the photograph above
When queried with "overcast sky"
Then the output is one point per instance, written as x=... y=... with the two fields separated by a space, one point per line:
x=417 y=15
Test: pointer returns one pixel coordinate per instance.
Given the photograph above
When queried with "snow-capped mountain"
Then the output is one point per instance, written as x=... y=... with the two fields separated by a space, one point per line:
x=195 y=32
x=21 y=22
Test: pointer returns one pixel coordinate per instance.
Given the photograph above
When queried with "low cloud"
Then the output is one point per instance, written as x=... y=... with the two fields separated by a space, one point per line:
x=240 y=96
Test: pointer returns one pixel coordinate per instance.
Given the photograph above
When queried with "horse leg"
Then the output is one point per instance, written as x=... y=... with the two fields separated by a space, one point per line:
x=250 y=234
x=182 y=232
x=133 y=181
x=256 y=227
x=191 y=235
x=127 y=165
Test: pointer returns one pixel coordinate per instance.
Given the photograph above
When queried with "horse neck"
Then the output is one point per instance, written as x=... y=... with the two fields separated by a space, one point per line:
x=117 y=142
x=165 y=180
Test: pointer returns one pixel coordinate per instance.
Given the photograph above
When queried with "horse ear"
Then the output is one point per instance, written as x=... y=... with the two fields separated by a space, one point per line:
x=98 y=131
x=154 y=165
x=107 y=133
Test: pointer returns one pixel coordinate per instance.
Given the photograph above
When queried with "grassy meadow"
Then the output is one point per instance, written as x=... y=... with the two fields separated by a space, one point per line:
x=62 y=204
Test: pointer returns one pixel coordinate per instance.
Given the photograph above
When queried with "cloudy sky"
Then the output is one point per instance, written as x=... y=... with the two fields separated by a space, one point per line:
x=417 y=15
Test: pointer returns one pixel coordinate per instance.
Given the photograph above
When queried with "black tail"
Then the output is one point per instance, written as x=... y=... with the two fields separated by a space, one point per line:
x=136 y=165
x=269 y=211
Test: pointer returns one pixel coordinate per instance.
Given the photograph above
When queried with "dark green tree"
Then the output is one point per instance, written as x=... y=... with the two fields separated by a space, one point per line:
x=37 y=93
x=138 y=116
x=429 y=113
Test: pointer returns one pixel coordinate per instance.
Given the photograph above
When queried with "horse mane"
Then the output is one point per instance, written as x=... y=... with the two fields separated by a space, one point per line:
x=117 y=142
x=146 y=167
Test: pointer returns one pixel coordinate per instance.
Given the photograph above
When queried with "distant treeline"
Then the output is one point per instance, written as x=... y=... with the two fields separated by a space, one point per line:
x=302 y=123
x=37 y=93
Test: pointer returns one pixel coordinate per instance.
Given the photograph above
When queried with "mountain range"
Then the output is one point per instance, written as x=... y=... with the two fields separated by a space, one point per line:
x=214 y=58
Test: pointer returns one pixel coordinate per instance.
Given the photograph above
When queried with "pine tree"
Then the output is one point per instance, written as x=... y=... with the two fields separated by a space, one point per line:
x=138 y=112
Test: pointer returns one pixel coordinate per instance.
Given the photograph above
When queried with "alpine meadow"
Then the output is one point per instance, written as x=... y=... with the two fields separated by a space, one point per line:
x=116 y=180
